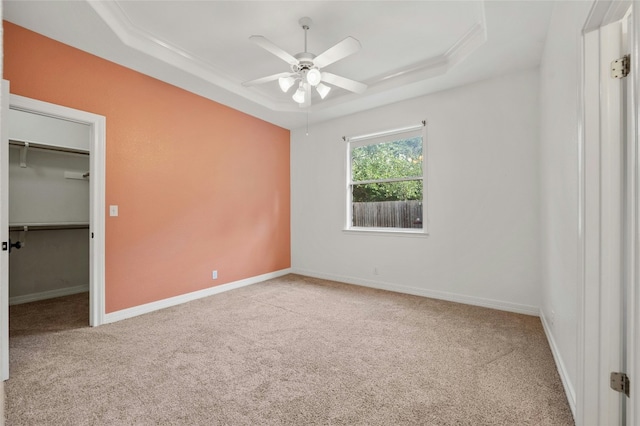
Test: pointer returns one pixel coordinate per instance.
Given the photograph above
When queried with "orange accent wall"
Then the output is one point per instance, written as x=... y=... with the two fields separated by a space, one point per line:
x=200 y=186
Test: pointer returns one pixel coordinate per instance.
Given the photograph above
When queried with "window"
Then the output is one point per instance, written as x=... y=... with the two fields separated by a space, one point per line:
x=386 y=184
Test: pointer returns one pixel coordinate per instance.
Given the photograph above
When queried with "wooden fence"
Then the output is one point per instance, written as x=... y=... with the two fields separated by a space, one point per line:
x=388 y=214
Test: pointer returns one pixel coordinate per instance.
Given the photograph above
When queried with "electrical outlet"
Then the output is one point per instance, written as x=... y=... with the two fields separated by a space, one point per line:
x=214 y=275
x=375 y=271
x=552 y=318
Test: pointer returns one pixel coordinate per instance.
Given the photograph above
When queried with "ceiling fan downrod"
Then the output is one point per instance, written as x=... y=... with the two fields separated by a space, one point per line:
x=305 y=23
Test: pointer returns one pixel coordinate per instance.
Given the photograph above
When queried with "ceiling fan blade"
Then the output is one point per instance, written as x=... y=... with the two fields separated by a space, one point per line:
x=266 y=79
x=345 y=83
x=272 y=48
x=346 y=47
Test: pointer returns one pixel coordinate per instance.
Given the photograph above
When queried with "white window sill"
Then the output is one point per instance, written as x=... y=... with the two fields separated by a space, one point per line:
x=391 y=232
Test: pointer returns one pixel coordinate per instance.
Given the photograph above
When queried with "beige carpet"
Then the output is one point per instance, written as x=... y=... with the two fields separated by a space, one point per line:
x=294 y=351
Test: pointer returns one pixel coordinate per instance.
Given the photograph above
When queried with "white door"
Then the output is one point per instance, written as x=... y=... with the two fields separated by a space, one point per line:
x=630 y=253
x=605 y=203
x=632 y=259
x=4 y=234
x=612 y=199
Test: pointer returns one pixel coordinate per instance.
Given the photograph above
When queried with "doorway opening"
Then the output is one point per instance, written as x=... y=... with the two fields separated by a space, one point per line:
x=48 y=207
x=64 y=214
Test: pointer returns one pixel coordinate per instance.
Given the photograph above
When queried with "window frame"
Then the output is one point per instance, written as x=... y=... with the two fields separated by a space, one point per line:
x=376 y=138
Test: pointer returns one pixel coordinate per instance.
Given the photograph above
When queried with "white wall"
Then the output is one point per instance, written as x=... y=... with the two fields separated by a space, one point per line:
x=483 y=199
x=53 y=263
x=40 y=129
x=559 y=135
x=40 y=192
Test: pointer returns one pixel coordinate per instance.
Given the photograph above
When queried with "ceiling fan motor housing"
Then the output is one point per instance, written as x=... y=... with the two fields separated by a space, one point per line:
x=305 y=62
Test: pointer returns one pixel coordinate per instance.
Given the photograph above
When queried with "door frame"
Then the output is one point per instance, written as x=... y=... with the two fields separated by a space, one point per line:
x=633 y=268
x=4 y=234
x=603 y=201
x=97 y=165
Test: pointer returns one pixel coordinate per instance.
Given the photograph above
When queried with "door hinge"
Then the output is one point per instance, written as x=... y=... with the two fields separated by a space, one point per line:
x=5 y=246
x=620 y=68
x=620 y=383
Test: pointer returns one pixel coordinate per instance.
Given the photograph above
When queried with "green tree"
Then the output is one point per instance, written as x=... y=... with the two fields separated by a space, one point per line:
x=390 y=160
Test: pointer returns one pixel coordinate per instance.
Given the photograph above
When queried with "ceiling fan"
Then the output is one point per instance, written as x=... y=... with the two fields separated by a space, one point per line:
x=306 y=68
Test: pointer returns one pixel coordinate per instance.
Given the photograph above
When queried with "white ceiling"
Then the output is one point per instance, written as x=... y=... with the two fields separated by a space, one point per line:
x=409 y=48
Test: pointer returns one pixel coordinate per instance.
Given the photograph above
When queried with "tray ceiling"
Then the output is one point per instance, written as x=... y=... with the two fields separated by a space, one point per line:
x=408 y=48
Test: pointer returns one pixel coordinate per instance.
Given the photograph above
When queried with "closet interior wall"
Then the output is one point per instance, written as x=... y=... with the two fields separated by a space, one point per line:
x=49 y=194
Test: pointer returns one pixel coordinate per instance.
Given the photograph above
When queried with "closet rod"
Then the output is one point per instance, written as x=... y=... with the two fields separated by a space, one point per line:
x=47 y=227
x=48 y=147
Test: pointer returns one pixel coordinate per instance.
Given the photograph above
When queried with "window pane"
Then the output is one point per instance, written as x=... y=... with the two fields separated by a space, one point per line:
x=388 y=191
x=389 y=160
x=388 y=205
x=388 y=214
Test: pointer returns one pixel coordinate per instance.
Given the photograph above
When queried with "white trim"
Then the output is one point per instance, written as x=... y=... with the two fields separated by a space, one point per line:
x=599 y=240
x=384 y=133
x=611 y=223
x=388 y=232
x=98 y=169
x=424 y=178
x=34 y=297
x=390 y=180
x=188 y=297
x=4 y=232
x=97 y=191
x=560 y=366
x=588 y=310
x=633 y=267
x=605 y=12
x=433 y=294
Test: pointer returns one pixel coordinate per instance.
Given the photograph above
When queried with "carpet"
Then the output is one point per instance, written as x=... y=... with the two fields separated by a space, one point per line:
x=288 y=351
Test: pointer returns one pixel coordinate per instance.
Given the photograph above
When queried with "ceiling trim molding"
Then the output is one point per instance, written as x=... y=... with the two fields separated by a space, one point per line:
x=432 y=67
x=138 y=39
x=475 y=37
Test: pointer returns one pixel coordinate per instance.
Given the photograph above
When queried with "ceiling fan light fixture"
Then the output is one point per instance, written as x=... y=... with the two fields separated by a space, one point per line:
x=323 y=90
x=314 y=76
x=286 y=83
x=299 y=96
x=305 y=68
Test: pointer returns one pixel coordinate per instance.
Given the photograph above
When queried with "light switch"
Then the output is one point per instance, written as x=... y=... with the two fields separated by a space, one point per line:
x=113 y=210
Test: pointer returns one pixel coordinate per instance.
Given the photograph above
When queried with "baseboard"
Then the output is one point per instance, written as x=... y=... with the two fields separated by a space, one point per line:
x=188 y=297
x=434 y=294
x=562 y=369
x=34 y=297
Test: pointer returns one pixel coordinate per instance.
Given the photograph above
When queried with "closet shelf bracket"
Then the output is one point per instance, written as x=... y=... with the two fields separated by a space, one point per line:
x=23 y=236
x=23 y=155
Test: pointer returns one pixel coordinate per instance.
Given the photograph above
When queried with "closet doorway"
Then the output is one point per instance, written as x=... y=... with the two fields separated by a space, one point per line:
x=74 y=210
x=49 y=181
